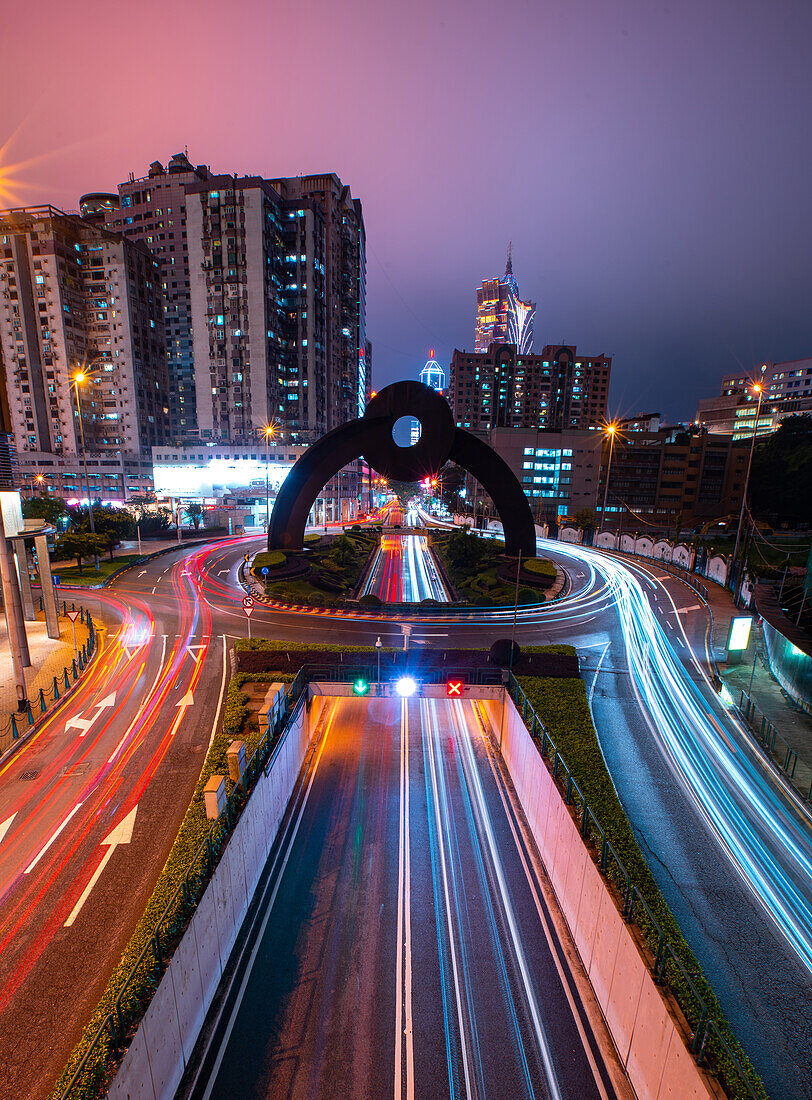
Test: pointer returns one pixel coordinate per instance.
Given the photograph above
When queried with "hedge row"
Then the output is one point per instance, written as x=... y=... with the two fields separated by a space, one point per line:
x=192 y=833
x=563 y=708
x=542 y=566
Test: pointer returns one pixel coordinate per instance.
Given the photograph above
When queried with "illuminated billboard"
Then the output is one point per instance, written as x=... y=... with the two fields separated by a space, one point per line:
x=217 y=476
x=739 y=634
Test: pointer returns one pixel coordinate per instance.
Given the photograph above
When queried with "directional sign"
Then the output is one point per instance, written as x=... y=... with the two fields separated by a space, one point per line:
x=248 y=601
x=121 y=834
x=55 y=579
x=264 y=570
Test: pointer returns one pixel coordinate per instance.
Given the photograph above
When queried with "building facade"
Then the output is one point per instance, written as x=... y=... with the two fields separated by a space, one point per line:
x=559 y=471
x=152 y=209
x=683 y=478
x=558 y=390
x=787 y=392
x=76 y=297
x=501 y=316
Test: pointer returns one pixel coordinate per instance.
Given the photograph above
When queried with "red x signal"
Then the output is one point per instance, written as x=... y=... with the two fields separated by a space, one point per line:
x=454 y=687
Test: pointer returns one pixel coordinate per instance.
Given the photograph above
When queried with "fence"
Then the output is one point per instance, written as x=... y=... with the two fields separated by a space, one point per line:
x=707 y=1043
x=21 y=722
x=780 y=752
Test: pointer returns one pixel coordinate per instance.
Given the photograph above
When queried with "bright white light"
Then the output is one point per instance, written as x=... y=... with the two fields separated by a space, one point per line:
x=406 y=686
x=739 y=632
x=211 y=478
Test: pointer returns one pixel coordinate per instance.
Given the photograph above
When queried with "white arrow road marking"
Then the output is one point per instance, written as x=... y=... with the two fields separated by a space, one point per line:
x=221 y=571
x=84 y=724
x=186 y=701
x=121 y=834
x=141 y=574
x=693 y=607
x=32 y=865
x=5 y=826
x=79 y=723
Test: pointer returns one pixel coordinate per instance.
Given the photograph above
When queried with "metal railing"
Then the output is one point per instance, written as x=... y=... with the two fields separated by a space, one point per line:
x=779 y=751
x=707 y=1042
x=20 y=722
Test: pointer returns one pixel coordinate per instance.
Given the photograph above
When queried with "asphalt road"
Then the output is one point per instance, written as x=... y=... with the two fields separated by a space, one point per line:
x=405 y=950
x=724 y=843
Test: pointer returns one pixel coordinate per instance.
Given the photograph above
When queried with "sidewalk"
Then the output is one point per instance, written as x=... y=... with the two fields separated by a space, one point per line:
x=793 y=725
x=49 y=659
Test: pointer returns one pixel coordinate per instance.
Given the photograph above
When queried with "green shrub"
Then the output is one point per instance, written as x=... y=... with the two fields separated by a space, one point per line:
x=369 y=599
x=528 y=595
x=312 y=538
x=542 y=566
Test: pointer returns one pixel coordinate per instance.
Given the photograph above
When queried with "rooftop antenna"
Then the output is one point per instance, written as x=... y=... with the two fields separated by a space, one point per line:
x=509 y=266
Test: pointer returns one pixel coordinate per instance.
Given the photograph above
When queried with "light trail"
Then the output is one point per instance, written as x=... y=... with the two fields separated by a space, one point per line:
x=753 y=817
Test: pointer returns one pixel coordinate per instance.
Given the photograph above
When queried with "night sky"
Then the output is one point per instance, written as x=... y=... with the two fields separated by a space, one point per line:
x=651 y=162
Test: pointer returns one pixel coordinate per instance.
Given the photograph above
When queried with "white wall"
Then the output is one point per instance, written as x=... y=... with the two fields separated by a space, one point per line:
x=157 y=1057
x=645 y=1034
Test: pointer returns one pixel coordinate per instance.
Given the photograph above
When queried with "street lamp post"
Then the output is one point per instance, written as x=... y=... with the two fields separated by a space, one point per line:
x=78 y=379
x=758 y=388
x=610 y=431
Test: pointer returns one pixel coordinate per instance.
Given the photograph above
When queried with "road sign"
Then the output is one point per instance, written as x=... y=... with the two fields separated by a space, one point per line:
x=247 y=557
x=248 y=601
x=55 y=578
x=265 y=570
x=453 y=688
x=72 y=615
x=248 y=611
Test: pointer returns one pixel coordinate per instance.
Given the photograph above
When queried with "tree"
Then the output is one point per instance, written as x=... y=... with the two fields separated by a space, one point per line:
x=113 y=525
x=586 y=519
x=51 y=509
x=79 y=545
x=781 y=477
x=464 y=550
x=195 y=514
x=342 y=551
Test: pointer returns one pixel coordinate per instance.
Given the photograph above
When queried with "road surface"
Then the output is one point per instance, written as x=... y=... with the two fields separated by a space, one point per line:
x=404 y=949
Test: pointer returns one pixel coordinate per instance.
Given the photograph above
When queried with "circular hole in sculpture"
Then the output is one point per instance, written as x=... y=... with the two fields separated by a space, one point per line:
x=406 y=431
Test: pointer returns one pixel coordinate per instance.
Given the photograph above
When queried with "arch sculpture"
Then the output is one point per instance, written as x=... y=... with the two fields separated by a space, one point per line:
x=370 y=437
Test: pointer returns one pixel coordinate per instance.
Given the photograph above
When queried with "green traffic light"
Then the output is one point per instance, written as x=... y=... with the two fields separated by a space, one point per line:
x=360 y=687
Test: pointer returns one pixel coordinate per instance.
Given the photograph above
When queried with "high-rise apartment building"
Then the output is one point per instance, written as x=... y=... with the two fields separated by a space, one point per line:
x=557 y=390
x=152 y=210
x=501 y=316
x=324 y=302
x=76 y=296
x=787 y=391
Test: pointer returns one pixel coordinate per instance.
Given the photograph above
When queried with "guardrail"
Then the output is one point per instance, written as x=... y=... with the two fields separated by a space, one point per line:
x=707 y=1042
x=21 y=722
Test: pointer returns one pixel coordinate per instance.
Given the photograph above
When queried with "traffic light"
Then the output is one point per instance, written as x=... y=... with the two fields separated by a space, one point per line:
x=453 y=688
x=360 y=687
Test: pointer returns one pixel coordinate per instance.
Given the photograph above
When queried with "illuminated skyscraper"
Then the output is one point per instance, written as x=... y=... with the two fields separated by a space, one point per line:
x=501 y=316
x=432 y=375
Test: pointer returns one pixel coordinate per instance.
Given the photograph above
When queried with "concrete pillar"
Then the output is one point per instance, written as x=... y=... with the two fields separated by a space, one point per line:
x=21 y=558
x=46 y=581
x=18 y=642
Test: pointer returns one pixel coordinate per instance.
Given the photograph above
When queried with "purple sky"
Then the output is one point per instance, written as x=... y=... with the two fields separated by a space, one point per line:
x=651 y=162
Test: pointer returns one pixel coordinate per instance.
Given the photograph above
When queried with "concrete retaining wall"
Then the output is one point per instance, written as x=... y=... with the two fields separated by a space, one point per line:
x=156 y=1059
x=645 y=1033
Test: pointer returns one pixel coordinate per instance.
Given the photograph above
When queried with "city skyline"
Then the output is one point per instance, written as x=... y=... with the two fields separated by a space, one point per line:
x=639 y=215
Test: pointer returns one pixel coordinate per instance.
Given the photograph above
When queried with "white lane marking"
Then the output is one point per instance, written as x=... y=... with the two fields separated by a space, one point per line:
x=222 y=692
x=597 y=670
x=153 y=591
x=668 y=624
x=480 y=804
x=429 y=733
x=277 y=880
x=54 y=836
x=131 y=726
x=121 y=834
x=403 y=977
x=6 y=825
